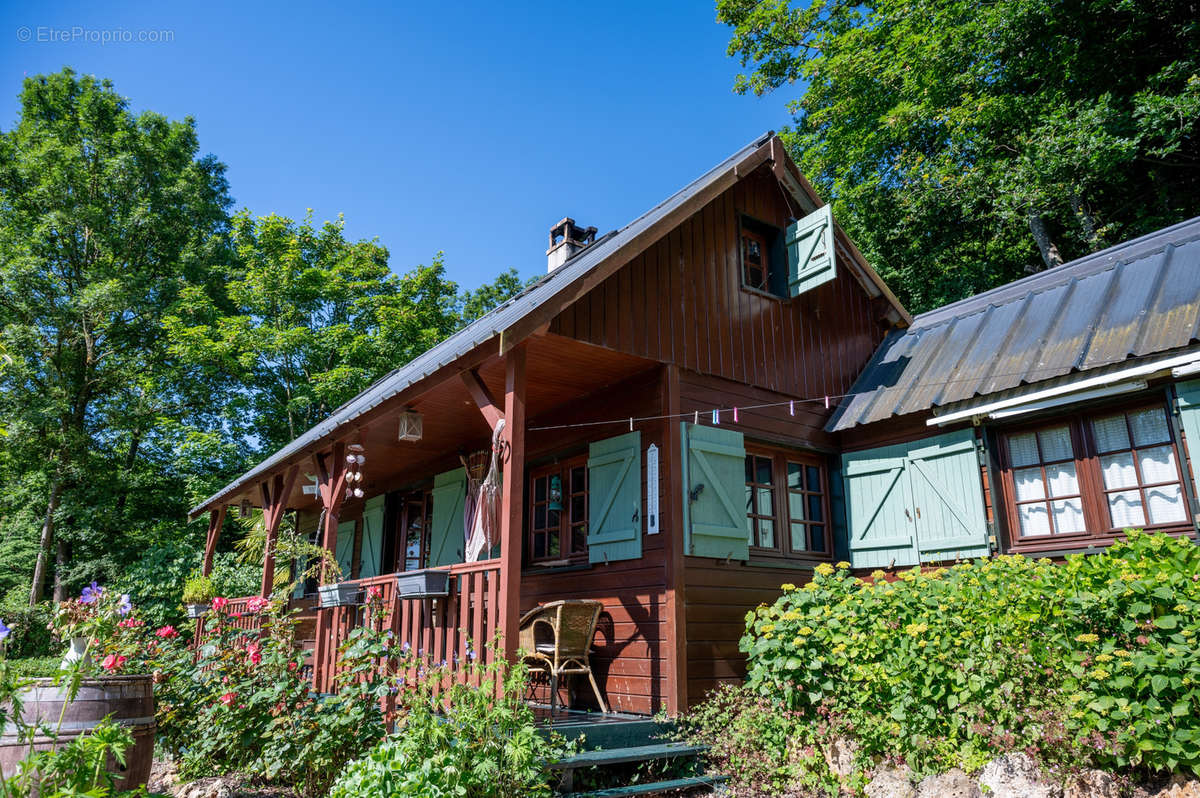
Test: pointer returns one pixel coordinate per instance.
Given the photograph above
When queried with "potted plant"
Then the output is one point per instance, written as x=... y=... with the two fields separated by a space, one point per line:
x=104 y=640
x=198 y=593
x=340 y=594
x=425 y=583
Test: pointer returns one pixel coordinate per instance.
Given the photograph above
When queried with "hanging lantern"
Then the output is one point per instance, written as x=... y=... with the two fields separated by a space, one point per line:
x=244 y=510
x=555 y=494
x=411 y=425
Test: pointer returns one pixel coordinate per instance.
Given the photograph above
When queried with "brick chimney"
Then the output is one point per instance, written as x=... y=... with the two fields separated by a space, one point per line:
x=567 y=239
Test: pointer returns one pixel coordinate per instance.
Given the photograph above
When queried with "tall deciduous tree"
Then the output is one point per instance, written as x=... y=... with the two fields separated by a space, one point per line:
x=963 y=144
x=105 y=217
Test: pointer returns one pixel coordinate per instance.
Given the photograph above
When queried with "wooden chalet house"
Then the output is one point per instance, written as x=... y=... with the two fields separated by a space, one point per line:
x=723 y=394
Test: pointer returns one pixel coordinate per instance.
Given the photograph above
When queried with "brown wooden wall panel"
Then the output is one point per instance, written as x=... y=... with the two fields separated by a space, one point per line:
x=681 y=301
x=631 y=641
x=718 y=597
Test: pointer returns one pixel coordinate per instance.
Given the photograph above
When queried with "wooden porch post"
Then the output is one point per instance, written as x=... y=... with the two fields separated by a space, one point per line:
x=216 y=518
x=332 y=487
x=275 y=497
x=675 y=647
x=512 y=504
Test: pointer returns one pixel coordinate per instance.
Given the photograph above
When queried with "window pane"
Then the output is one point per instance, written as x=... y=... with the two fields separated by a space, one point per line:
x=750 y=528
x=578 y=511
x=766 y=502
x=1068 y=516
x=816 y=534
x=1056 y=444
x=799 y=537
x=766 y=533
x=539 y=516
x=1158 y=465
x=579 y=539
x=1035 y=520
x=1111 y=433
x=1118 y=470
x=539 y=546
x=1023 y=449
x=814 y=477
x=553 y=543
x=1061 y=479
x=763 y=471
x=539 y=489
x=749 y=468
x=1149 y=426
x=815 y=510
x=553 y=519
x=578 y=479
x=749 y=500
x=796 y=506
x=1028 y=482
x=795 y=476
x=1165 y=504
x=1126 y=509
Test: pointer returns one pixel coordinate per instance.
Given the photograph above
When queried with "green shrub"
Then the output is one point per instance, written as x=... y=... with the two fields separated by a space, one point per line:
x=153 y=580
x=198 y=590
x=464 y=743
x=1091 y=662
x=29 y=630
x=34 y=667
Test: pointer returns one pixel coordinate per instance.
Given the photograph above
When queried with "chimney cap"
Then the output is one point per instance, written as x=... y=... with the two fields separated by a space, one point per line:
x=567 y=239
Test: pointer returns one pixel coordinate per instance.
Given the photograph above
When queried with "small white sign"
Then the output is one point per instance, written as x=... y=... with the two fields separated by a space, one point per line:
x=652 y=490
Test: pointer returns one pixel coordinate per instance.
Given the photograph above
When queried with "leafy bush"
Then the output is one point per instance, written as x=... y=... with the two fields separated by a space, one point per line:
x=29 y=630
x=1091 y=662
x=463 y=742
x=153 y=580
x=245 y=705
x=198 y=590
x=34 y=667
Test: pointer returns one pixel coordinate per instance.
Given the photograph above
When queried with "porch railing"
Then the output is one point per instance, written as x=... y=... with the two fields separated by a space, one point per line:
x=448 y=633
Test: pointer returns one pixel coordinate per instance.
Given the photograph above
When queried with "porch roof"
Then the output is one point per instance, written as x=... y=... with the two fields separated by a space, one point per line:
x=521 y=315
x=1115 y=306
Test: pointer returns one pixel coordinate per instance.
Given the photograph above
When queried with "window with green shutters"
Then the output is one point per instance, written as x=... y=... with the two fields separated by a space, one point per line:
x=447 y=534
x=914 y=502
x=714 y=507
x=810 y=251
x=371 y=553
x=344 y=550
x=614 y=530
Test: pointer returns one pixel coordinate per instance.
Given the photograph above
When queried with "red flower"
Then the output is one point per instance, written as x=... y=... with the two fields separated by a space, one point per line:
x=374 y=592
x=292 y=666
x=166 y=632
x=257 y=604
x=219 y=603
x=254 y=653
x=130 y=623
x=228 y=699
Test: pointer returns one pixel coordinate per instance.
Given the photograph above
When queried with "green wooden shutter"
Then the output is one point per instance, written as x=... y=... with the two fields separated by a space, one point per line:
x=879 y=524
x=372 y=539
x=344 y=550
x=915 y=502
x=947 y=498
x=447 y=538
x=811 y=259
x=1187 y=399
x=615 y=498
x=714 y=484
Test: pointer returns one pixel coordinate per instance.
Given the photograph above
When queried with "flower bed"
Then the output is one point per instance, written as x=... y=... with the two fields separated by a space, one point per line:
x=1091 y=663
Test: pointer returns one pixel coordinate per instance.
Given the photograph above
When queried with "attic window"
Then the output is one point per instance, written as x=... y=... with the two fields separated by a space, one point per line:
x=764 y=262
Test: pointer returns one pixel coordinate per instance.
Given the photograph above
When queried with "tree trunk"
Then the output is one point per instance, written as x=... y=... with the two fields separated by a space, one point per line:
x=60 y=568
x=39 y=568
x=1046 y=246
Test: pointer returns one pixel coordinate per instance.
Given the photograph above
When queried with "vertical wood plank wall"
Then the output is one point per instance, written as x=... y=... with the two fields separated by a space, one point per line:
x=681 y=302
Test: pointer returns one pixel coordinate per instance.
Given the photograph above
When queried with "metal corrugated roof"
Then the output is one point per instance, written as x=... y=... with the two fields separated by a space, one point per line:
x=1128 y=301
x=490 y=325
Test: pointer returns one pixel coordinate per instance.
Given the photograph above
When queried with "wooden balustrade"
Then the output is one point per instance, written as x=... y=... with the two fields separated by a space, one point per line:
x=446 y=633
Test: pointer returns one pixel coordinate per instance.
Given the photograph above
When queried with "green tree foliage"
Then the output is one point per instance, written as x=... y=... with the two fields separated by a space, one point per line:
x=963 y=144
x=105 y=217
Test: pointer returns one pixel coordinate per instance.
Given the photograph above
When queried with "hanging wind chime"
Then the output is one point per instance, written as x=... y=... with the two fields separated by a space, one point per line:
x=355 y=460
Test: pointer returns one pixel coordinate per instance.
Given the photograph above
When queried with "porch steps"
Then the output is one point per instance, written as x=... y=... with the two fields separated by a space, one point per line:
x=652 y=788
x=616 y=756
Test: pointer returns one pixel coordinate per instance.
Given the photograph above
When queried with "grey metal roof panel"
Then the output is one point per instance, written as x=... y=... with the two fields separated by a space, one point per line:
x=1128 y=301
x=489 y=325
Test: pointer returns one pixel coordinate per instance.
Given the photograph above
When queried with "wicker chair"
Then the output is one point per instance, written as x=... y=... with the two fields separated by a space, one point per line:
x=557 y=641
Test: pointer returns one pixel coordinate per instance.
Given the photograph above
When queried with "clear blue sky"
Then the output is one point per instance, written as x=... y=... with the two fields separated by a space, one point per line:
x=464 y=127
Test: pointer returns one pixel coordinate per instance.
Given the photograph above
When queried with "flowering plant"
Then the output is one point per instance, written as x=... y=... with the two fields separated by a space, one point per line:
x=103 y=620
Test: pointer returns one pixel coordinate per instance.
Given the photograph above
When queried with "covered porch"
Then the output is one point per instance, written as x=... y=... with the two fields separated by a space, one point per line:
x=399 y=511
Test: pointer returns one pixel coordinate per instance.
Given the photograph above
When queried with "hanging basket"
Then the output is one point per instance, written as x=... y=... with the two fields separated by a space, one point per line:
x=423 y=584
x=343 y=594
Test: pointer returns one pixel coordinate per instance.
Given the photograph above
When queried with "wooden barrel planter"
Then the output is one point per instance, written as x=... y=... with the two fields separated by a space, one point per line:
x=128 y=699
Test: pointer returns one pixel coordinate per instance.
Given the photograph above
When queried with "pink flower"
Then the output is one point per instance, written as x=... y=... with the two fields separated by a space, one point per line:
x=113 y=662
x=374 y=592
x=130 y=623
x=219 y=603
x=166 y=632
x=254 y=653
x=228 y=699
x=257 y=604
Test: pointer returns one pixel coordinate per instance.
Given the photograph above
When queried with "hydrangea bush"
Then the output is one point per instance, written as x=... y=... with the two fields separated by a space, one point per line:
x=1092 y=662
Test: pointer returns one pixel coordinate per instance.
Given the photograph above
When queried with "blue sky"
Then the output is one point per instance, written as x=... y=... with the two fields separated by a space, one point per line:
x=463 y=127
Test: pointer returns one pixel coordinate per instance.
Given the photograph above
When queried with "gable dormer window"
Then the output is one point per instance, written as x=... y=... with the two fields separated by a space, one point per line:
x=764 y=259
x=756 y=261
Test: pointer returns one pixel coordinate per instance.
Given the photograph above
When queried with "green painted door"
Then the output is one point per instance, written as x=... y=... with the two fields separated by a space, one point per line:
x=615 y=498
x=372 y=538
x=447 y=536
x=915 y=502
x=714 y=484
x=1187 y=399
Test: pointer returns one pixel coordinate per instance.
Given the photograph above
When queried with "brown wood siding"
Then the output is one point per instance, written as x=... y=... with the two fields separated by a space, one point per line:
x=632 y=641
x=681 y=301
